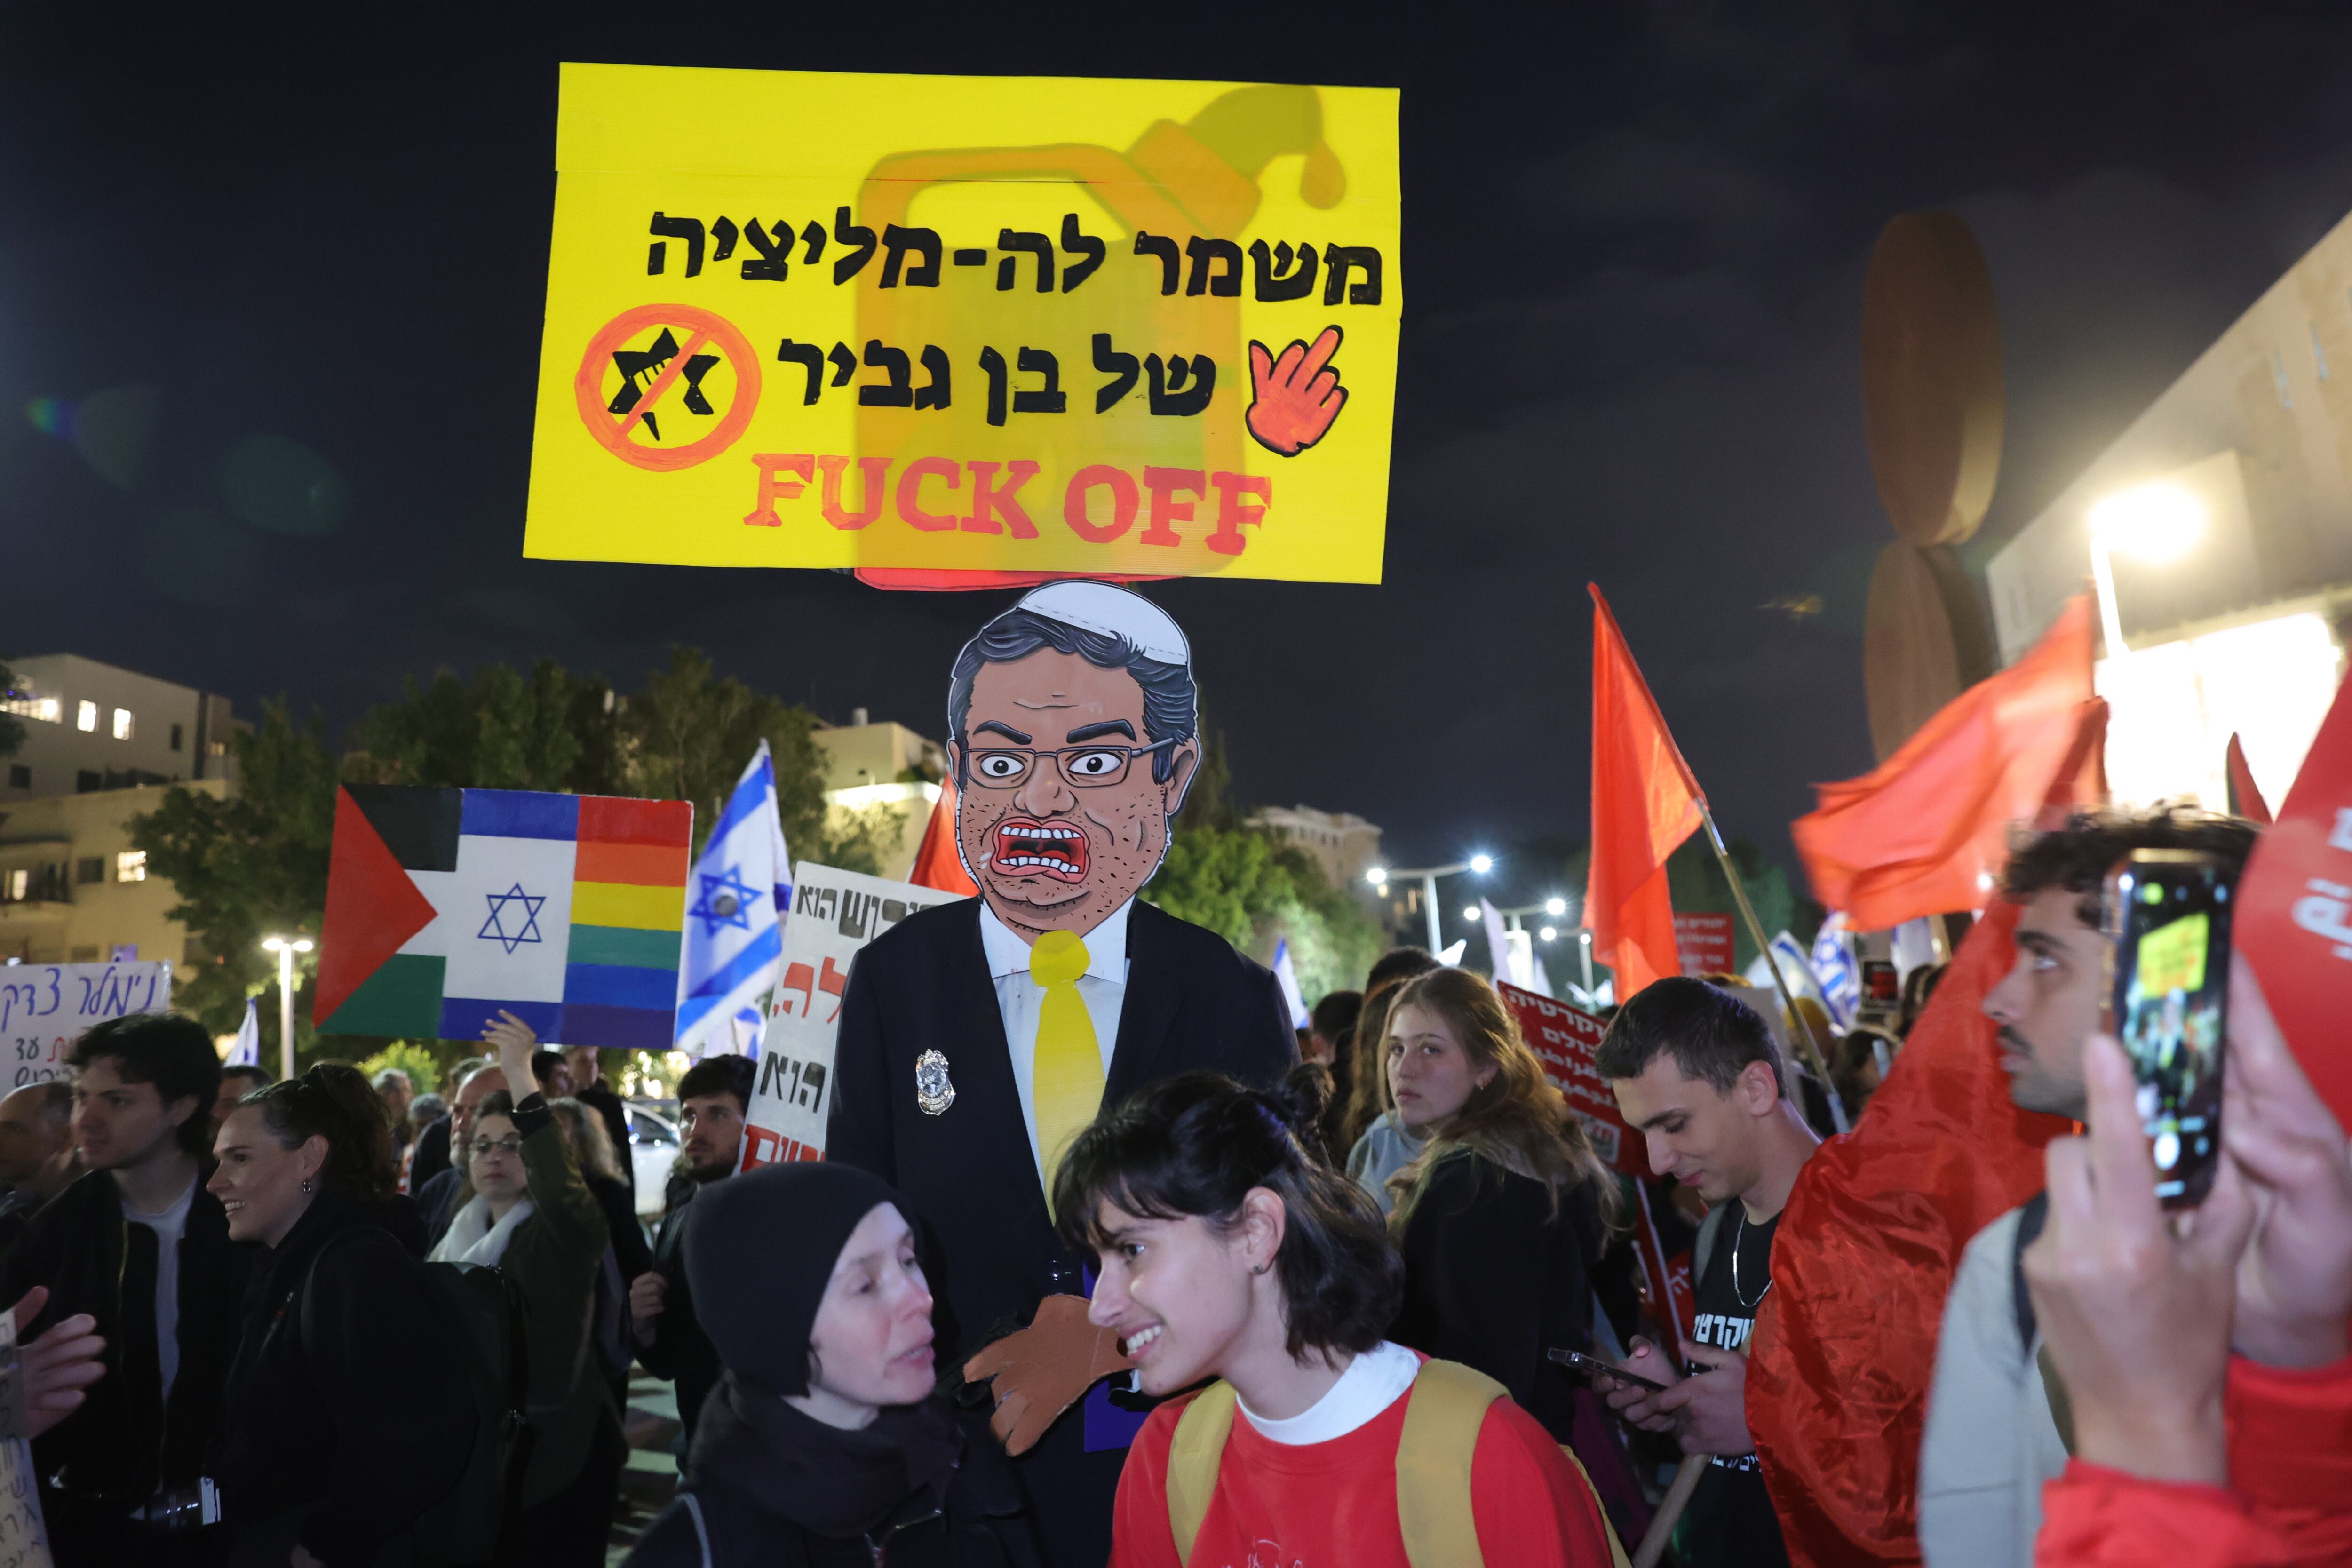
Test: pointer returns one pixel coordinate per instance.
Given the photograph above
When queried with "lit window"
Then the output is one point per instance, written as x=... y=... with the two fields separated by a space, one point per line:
x=123 y=723
x=130 y=866
x=86 y=716
x=45 y=709
x=18 y=882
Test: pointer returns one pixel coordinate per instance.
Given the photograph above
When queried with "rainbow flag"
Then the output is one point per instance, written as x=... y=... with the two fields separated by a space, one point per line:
x=444 y=906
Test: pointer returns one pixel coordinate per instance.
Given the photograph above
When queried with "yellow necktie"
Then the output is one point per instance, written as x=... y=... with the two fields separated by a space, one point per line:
x=1066 y=1077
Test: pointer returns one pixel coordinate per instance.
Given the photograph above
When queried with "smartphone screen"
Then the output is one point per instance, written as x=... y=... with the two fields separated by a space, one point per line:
x=2168 y=914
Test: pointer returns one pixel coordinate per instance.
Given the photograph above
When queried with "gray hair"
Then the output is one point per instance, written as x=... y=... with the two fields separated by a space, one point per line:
x=1171 y=700
x=389 y=1075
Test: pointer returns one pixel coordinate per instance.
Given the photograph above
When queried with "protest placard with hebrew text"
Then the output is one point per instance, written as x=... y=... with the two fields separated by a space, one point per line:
x=969 y=324
x=46 y=1007
x=834 y=914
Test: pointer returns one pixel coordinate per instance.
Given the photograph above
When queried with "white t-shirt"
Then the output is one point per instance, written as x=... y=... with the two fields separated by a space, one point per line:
x=1373 y=1381
x=1020 y=1000
x=169 y=1226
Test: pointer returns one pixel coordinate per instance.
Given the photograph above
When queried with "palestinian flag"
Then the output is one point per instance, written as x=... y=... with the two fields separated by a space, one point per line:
x=446 y=905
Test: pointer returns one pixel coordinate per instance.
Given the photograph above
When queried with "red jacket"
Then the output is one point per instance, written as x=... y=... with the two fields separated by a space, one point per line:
x=2288 y=1504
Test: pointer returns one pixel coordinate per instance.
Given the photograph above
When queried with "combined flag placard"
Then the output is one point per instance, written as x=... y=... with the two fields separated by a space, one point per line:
x=444 y=906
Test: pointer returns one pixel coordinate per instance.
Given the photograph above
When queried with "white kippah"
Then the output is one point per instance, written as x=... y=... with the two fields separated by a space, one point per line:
x=1113 y=612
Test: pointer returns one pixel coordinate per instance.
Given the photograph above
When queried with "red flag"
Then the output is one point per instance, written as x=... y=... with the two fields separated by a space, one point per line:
x=2245 y=795
x=1644 y=804
x=2294 y=910
x=1926 y=831
x=1844 y=1347
x=937 y=862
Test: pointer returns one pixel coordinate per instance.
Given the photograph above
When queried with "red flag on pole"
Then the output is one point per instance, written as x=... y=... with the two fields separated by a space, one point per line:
x=1644 y=804
x=936 y=863
x=1926 y=831
x=1844 y=1347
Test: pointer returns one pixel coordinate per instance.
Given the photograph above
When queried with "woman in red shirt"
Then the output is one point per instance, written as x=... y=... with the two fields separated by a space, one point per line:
x=1225 y=1251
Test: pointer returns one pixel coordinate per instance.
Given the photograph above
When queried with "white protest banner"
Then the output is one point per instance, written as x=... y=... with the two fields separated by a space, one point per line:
x=46 y=1007
x=24 y=1538
x=834 y=914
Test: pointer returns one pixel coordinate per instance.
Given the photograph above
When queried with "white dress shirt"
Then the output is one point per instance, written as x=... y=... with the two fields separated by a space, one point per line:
x=1020 y=1000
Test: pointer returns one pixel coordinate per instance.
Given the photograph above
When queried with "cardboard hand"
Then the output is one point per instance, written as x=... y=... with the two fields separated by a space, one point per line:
x=1045 y=1369
x=1294 y=399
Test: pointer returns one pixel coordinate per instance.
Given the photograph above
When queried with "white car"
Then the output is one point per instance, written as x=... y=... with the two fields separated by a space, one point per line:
x=653 y=1152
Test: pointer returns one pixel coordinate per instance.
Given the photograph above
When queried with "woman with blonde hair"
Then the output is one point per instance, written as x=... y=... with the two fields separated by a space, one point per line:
x=1506 y=1208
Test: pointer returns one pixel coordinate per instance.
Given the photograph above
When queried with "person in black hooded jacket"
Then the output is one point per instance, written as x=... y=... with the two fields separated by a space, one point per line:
x=824 y=1443
x=320 y=1456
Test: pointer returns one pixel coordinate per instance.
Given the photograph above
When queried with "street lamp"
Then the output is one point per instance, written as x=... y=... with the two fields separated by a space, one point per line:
x=1548 y=933
x=1555 y=907
x=1478 y=865
x=1470 y=913
x=2154 y=522
x=286 y=949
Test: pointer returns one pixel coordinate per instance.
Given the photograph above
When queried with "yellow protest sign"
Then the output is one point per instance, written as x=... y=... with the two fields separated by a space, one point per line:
x=916 y=324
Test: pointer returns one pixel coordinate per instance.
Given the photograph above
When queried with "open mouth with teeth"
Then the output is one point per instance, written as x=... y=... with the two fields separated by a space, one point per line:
x=1138 y=1345
x=1028 y=847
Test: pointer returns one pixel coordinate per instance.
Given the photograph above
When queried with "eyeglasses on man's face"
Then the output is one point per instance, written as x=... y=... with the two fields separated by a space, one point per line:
x=1082 y=767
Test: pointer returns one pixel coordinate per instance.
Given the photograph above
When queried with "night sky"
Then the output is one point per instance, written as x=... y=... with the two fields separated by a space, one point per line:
x=1635 y=241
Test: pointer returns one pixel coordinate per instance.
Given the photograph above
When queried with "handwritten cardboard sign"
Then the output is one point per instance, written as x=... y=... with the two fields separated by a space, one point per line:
x=969 y=324
x=46 y=1007
x=834 y=914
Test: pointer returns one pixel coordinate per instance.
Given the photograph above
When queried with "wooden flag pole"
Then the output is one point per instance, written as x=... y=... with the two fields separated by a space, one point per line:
x=1661 y=1523
x=1797 y=1029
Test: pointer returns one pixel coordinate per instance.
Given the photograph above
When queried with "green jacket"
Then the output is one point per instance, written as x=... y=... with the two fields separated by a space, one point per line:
x=554 y=1258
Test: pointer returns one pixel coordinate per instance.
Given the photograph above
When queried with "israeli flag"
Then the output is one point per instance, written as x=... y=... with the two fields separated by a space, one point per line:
x=735 y=902
x=1833 y=966
x=1286 y=978
x=246 y=1052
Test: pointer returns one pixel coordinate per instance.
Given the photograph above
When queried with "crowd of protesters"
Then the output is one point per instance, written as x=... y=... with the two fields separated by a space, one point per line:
x=335 y=1321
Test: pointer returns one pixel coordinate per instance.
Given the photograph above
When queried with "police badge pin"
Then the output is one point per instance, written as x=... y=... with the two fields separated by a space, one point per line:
x=933 y=1093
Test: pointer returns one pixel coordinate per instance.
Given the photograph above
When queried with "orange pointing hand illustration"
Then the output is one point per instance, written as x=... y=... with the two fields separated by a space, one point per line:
x=1294 y=399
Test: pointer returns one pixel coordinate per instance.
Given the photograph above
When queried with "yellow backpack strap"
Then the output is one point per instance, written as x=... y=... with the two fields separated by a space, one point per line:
x=1441 y=1435
x=1434 y=1461
x=1193 y=1455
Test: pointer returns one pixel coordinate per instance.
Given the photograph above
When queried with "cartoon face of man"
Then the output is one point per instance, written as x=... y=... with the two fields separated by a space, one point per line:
x=1065 y=789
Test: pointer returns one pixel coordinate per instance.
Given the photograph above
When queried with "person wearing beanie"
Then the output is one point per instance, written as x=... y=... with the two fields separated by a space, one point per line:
x=825 y=1441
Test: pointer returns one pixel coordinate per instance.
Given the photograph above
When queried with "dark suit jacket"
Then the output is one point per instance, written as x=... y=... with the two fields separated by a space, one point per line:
x=1191 y=1002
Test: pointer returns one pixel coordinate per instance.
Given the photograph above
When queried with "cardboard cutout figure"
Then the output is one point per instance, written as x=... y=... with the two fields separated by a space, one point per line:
x=978 y=1038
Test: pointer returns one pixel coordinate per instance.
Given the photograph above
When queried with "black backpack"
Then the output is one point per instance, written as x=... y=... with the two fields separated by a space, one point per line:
x=482 y=1323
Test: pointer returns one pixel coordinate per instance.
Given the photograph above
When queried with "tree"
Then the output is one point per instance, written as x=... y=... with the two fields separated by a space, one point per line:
x=689 y=734
x=1257 y=891
x=250 y=866
x=548 y=730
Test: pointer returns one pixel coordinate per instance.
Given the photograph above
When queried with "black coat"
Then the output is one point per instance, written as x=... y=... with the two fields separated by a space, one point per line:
x=355 y=1419
x=755 y=1459
x=113 y=1454
x=1494 y=1277
x=681 y=1352
x=1191 y=1001
x=432 y=1156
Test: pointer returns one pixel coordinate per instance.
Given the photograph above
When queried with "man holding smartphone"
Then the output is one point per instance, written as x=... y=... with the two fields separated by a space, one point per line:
x=1696 y=1074
x=1993 y=1435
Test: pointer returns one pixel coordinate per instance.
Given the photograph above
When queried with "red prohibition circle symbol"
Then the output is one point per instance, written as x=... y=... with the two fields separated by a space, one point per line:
x=699 y=329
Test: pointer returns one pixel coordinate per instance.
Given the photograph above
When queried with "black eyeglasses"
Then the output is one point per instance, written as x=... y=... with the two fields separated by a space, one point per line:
x=1082 y=767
